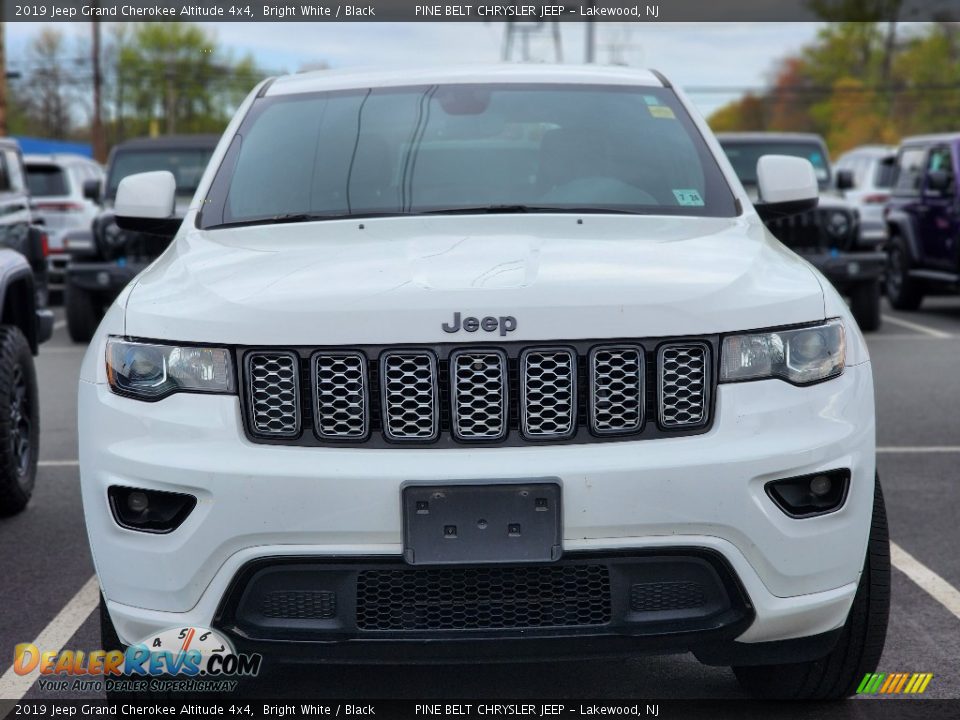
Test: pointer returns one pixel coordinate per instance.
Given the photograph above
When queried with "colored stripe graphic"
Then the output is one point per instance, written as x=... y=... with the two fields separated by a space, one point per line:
x=894 y=683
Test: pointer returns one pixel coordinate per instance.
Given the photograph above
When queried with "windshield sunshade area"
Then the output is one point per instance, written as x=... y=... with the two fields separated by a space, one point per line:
x=466 y=148
x=744 y=156
x=187 y=166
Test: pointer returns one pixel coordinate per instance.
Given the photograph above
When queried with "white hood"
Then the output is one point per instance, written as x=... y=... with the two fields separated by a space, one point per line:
x=397 y=280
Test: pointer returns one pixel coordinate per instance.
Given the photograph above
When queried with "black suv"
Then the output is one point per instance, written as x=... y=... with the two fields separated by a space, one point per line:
x=103 y=265
x=923 y=221
x=829 y=236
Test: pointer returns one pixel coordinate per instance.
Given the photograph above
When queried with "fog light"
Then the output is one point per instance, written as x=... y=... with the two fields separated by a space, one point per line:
x=137 y=502
x=810 y=495
x=152 y=511
x=821 y=485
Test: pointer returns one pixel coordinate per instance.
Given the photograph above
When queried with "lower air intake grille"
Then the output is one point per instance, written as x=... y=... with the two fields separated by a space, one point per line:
x=482 y=598
x=300 y=605
x=651 y=597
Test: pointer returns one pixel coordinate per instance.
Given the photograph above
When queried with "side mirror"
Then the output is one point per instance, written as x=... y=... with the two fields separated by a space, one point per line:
x=845 y=180
x=786 y=186
x=91 y=190
x=938 y=181
x=145 y=203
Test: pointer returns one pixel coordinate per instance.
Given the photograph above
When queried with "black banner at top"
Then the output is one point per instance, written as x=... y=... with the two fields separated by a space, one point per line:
x=472 y=11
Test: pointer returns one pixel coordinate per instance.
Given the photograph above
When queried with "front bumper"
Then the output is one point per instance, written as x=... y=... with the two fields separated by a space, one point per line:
x=699 y=494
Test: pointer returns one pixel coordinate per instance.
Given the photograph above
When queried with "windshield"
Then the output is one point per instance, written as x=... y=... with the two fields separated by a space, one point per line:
x=186 y=164
x=46 y=181
x=744 y=155
x=450 y=148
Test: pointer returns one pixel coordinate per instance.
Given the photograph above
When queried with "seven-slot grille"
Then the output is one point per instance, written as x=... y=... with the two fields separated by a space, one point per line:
x=478 y=395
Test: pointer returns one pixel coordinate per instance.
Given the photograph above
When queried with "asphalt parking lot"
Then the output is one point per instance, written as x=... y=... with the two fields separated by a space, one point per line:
x=48 y=595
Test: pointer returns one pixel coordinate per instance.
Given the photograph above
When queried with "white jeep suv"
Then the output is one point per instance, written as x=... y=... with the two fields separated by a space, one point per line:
x=486 y=363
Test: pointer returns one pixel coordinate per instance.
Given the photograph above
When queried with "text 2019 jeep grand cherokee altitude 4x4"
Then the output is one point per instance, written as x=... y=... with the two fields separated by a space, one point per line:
x=493 y=362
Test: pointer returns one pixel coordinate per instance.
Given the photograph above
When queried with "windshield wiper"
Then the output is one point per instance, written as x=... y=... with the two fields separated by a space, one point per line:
x=298 y=218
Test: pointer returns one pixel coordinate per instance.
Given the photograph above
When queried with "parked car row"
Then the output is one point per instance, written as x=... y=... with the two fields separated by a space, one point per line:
x=829 y=236
x=888 y=217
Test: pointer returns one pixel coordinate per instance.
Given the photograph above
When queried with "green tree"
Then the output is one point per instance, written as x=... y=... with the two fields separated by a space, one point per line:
x=172 y=77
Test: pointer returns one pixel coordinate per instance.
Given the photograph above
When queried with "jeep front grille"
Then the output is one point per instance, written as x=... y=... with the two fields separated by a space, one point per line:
x=548 y=406
x=683 y=385
x=340 y=394
x=274 y=393
x=479 y=394
x=410 y=395
x=617 y=377
x=512 y=394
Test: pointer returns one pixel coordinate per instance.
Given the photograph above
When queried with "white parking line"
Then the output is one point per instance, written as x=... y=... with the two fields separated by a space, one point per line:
x=59 y=324
x=934 y=585
x=919 y=449
x=926 y=330
x=53 y=637
x=58 y=463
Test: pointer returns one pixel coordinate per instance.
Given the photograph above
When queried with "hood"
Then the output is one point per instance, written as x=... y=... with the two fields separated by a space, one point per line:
x=397 y=280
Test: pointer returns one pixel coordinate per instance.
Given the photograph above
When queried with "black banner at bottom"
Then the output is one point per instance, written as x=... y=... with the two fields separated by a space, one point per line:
x=859 y=709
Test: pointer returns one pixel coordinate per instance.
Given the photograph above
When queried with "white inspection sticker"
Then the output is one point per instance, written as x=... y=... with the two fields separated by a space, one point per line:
x=689 y=198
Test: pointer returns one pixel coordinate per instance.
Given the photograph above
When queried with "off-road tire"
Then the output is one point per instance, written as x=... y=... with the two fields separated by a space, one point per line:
x=903 y=292
x=19 y=421
x=83 y=313
x=865 y=305
x=860 y=645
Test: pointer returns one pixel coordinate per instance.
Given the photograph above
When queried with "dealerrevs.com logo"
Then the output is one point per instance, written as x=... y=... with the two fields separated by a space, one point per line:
x=894 y=683
x=189 y=659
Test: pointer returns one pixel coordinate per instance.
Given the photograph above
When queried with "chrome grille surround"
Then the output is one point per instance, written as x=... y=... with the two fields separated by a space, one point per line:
x=273 y=386
x=617 y=393
x=548 y=395
x=684 y=383
x=314 y=415
x=409 y=395
x=341 y=402
x=478 y=394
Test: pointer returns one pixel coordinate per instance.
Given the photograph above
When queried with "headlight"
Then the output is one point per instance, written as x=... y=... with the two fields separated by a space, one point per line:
x=797 y=355
x=838 y=224
x=151 y=372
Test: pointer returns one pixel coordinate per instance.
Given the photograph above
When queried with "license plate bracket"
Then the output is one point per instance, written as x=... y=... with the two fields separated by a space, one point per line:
x=482 y=522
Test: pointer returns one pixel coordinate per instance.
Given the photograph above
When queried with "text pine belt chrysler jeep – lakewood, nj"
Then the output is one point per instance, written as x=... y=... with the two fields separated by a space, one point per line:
x=506 y=365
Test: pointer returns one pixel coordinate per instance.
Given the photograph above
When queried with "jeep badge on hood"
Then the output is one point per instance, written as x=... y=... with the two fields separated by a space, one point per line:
x=505 y=323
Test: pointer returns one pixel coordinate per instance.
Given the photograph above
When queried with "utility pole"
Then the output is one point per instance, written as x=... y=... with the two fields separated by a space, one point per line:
x=3 y=76
x=590 y=52
x=99 y=143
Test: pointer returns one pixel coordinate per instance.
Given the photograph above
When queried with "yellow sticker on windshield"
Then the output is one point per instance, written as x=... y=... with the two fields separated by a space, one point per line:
x=661 y=111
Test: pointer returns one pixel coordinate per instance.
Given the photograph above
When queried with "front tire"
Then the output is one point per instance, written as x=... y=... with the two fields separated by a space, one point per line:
x=865 y=305
x=903 y=291
x=19 y=421
x=858 y=650
x=83 y=313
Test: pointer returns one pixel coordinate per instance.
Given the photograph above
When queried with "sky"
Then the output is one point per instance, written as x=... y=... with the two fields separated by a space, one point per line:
x=692 y=55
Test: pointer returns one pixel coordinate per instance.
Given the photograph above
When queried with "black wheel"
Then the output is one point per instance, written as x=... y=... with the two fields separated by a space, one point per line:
x=903 y=292
x=19 y=421
x=858 y=650
x=83 y=313
x=865 y=305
